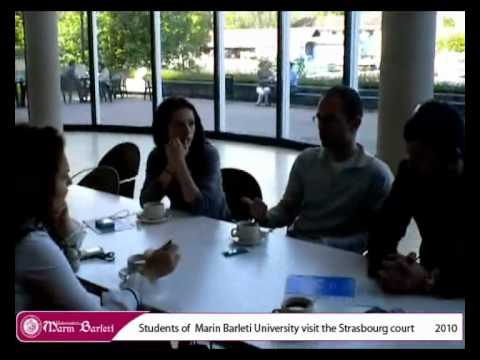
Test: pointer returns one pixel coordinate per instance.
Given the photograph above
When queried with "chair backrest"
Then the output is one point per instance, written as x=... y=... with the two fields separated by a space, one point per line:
x=236 y=184
x=102 y=178
x=116 y=83
x=125 y=158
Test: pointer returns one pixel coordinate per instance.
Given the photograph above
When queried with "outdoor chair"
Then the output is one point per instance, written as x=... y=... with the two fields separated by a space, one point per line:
x=118 y=86
x=148 y=87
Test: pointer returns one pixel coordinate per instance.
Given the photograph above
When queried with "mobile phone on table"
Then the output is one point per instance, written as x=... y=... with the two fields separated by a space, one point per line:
x=234 y=252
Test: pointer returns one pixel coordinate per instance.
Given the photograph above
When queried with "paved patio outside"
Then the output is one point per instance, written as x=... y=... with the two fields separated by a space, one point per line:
x=241 y=118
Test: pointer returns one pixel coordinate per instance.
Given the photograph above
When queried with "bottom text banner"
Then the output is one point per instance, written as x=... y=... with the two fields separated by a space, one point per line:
x=78 y=326
x=292 y=327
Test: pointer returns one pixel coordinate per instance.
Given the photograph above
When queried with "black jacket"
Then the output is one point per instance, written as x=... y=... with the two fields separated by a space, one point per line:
x=437 y=206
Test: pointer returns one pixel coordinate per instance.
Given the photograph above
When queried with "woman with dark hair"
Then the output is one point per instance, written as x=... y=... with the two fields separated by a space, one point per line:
x=183 y=166
x=46 y=238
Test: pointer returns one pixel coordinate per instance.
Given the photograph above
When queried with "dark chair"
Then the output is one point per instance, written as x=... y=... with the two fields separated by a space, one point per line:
x=118 y=86
x=236 y=184
x=123 y=87
x=125 y=158
x=102 y=178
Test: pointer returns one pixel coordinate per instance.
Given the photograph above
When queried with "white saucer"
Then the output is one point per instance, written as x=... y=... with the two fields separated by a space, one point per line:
x=144 y=220
x=236 y=240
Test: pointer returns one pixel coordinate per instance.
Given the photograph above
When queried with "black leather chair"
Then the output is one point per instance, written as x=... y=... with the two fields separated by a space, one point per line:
x=237 y=184
x=125 y=158
x=102 y=178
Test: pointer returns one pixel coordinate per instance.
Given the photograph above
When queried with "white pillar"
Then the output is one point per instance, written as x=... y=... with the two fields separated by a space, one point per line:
x=43 y=69
x=96 y=85
x=353 y=48
x=406 y=76
x=157 y=53
x=285 y=48
x=220 y=68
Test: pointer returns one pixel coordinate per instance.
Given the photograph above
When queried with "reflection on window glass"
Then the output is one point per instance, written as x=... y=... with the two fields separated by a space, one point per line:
x=21 y=99
x=125 y=69
x=250 y=41
x=74 y=69
x=187 y=59
x=316 y=63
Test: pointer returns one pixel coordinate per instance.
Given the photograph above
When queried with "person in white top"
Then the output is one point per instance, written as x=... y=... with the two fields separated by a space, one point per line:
x=104 y=83
x=46 y=238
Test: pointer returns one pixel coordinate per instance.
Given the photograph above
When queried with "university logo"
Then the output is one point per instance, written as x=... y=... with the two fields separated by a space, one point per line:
x=31 y=326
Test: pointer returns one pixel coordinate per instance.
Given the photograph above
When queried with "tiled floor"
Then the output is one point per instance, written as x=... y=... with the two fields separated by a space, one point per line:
x=269 y=165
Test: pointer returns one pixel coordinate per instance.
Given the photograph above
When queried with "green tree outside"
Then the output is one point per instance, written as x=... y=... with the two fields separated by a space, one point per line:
x=184 y=36
x=70 y=37
x=124 y=39
x=448 y=22
x=453 y=43
x=19 y=36
x=250 y=19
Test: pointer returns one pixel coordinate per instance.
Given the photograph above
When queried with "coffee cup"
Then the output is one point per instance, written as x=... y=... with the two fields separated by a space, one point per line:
x=153 y=210
x=247 y=232
x=296 y=305
x=135 y=264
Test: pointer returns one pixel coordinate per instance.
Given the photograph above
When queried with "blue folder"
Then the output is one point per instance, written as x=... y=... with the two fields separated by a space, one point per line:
x=318 y=286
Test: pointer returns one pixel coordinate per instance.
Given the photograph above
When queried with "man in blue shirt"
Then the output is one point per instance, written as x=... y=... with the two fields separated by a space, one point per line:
x=333 y=190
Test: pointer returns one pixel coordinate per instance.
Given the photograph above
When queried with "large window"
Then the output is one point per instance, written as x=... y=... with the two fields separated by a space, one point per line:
x=188 y=59
x=185 y=67
x=250 y=42
x=450 y=53
x=74 y=78
x=316 y=62
x=21 y=100
x=369 y=55
x=124 y=68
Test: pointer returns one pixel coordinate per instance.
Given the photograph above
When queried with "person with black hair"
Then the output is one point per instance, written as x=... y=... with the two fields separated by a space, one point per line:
x=333 y=190
x=183 y=165
x=44 y=272
x=430 y=188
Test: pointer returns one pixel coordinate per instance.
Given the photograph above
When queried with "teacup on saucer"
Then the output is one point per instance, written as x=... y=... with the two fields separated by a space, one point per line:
x=153 y=211
x=247 y=233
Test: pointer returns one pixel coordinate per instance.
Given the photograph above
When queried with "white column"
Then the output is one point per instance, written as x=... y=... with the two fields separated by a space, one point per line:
x=285 y=73
x=406 y=76
x=157 y=54
x=354 y=45
x=221 y=67
x=96 y=85
x=43 y=69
